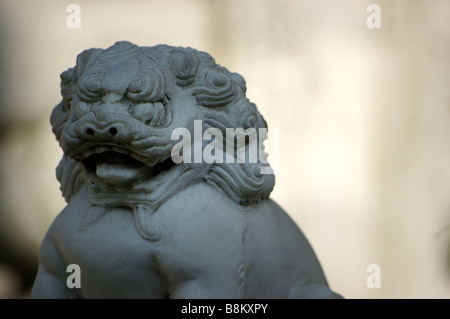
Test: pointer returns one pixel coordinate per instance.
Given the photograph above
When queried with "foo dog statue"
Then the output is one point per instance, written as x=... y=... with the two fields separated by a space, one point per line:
x=143 y=221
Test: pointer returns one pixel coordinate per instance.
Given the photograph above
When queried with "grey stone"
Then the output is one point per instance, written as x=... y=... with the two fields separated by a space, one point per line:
x=139 y=222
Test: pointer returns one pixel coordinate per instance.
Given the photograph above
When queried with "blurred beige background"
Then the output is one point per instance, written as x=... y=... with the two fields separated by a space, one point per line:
x=362 y=115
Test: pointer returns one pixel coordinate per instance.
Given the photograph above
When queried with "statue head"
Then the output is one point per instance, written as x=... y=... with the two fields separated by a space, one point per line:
x=120 y=108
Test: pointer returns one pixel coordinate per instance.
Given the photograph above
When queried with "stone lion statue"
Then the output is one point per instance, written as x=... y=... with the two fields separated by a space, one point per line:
x=139 y=224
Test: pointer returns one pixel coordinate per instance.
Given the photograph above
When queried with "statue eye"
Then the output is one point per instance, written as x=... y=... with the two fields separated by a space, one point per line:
x=148 y=87
x=92 y=85
x=139 y=90
x=89 y=89
x=136 y=86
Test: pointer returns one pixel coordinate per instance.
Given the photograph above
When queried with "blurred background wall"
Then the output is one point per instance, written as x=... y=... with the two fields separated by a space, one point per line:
x=362 y=116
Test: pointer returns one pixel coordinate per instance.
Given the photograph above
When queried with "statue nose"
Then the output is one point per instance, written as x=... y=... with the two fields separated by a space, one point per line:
x=109 y=132
x=107 y=123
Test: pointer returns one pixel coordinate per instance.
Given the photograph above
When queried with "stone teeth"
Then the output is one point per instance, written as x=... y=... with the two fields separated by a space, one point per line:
x=108 y=148
x=101 y=149
x=137 y=157
x=150 y=163
x=116 y=149
x=120 y=150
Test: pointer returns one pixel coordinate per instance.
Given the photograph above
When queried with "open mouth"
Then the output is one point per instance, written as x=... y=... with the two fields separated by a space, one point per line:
x=122 y=167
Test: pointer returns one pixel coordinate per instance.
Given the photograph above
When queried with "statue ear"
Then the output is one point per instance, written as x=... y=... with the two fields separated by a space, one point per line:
x=240 y=81
x=69 y=177
x=85 y=59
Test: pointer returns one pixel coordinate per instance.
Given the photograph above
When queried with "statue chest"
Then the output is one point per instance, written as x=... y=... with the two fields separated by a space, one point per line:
x=195 y=233
x=114 y=260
